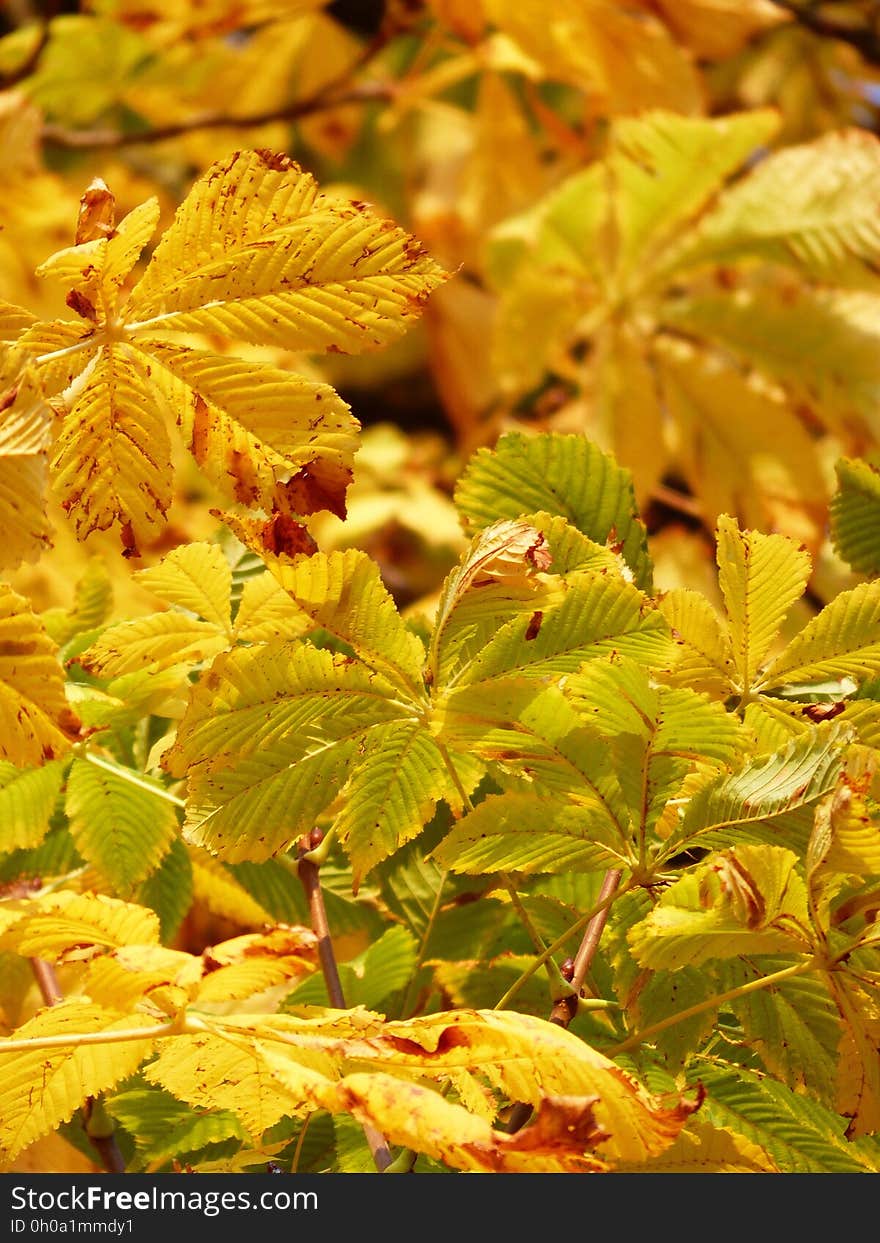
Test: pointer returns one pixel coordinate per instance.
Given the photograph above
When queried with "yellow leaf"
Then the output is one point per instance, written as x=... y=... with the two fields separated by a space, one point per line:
x=35 y=722
x=292 y=267
x=702 y=1148
x=216 y=889
x=111 y=459
x=44 y=1088
x=196 y=577
x=706 y=659
x=625 y=60
x=25 y=430
x=761 y=577
x=256 y=961
x=560 y=1139
x=210 y=1072
x=157 y=641
x=69 y=925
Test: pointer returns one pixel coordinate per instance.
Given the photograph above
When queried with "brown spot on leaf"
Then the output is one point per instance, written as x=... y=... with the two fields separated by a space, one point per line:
x=82 y=305
x=534 y=625
x=284 y=536
x=824 y=712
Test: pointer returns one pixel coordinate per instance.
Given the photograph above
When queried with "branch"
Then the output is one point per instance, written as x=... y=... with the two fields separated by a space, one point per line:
x=366 y=92
x=309 y=874
x=864 y=40
x=566 y=1007
x=102 y=1140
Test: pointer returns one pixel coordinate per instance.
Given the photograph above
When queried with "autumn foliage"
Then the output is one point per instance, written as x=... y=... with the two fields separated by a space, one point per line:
x=440 y=617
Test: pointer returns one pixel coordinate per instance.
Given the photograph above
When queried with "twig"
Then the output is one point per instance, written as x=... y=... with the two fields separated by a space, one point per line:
x=365 y=92
x=105 y=1145
x=565 y=1008
x=309 y=874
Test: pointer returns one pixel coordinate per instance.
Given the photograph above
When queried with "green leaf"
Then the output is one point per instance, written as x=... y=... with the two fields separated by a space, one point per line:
x=392 y=793
x=519 y=832
x=196 y=577
x=802 y=1136
x=367 y=980
x=761 y=577
x=855 y=515
x=123 y=828
x=743 y=901
x=169 y=890
x=842 y=641
x=27 y=801
x=598 y=615
x=165 y=1128
x=559 y=474
x=267 y=740
x=799 y=773
x=795 y=1028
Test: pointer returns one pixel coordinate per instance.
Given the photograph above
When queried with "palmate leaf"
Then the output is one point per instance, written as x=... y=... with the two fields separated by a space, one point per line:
x=267 y=739
x=660 y=736
x=254 y=252
x=705 y=1149
x=719 y=298
x=66 y=1076
x=124 y=830
x=525 y=731
x=36 y=723
x=196 y=19
x=566 y=475
x=855 y=515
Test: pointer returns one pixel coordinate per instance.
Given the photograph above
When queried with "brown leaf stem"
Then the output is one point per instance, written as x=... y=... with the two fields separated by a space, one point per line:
x=309 y=874
x=105 y=1145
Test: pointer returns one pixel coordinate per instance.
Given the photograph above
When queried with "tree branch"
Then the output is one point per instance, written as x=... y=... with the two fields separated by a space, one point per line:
x=566 y=1007
x=102 y=1140
x=365 y=92
x=309 y=874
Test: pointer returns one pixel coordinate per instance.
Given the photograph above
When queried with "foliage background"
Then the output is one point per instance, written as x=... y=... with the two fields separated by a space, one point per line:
x=661 y=221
